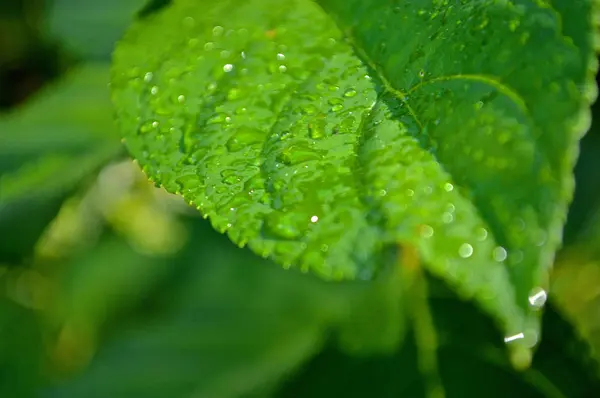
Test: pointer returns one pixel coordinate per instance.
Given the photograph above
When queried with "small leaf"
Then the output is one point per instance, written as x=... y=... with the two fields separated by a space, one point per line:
x=451 y=128
x=47 y=148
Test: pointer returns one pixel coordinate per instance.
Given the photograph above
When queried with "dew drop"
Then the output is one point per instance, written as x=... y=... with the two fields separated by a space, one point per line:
x=337 y=108
x=208 y=46
x=537 y=298
x=514 y=337
x=227 y=67
x=421 y=73
x=448 y=187
x=478 y=105
x=426 y=231
x=447 y=217
x=280 y=57
x=154 y=90
x=181 y=99
x=282 y=68
x=465 y=250
x=481 y=234
x=350 y=93
x=217 y=30
x=148 y=77
x=314 y=219
x=499 y=254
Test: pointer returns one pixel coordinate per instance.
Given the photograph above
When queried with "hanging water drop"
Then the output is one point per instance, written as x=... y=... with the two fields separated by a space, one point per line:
x=514 y=337
x=538 y=298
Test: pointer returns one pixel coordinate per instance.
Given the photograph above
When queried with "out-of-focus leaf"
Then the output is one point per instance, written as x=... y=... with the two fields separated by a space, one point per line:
x=21 y=350
x=471 y=365
x=47 y=147
x=90 y=28
x=223 y=323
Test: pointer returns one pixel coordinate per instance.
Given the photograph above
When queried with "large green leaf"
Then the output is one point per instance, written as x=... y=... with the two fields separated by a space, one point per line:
x=47 y=147
x=450 y=127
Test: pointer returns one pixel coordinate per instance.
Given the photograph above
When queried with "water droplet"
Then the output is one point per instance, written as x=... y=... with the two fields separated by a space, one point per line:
x=448 y=187
x=316 y=130
x=481 y=234
x=227 y=67
x=447 y=218
x=225 y=54
x=282 y=68
x=154 y=90
x=421 y=73
x=538 y=298
x=314 y=219
x=350 y=93
x=426 y=231
x=181 y=99
x=465 y=250
x=148 y=77
x=280 y=57
x=499 y=254
x=309 y=109
x=337 y=108
x=514 y=337
x=478 y=105
x=217 y=30
x=208 y=46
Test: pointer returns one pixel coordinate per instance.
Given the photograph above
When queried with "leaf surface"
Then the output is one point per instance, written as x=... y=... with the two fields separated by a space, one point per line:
x=444 y=126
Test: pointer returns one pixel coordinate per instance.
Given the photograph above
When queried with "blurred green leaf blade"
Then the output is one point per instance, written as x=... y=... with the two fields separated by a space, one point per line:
x=47 y=147
x=90 y=29
x=221 y=323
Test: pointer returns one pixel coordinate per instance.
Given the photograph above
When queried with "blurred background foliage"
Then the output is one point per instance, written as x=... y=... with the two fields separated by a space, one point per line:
x=110 y=287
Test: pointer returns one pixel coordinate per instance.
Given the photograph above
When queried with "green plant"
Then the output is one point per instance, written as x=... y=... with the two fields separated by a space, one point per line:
x=414 y=158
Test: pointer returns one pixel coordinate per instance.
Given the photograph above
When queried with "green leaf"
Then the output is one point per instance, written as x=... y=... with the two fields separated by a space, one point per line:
x=221 y=323
x=448 y=127
x=47 y=147
x=90 y=29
